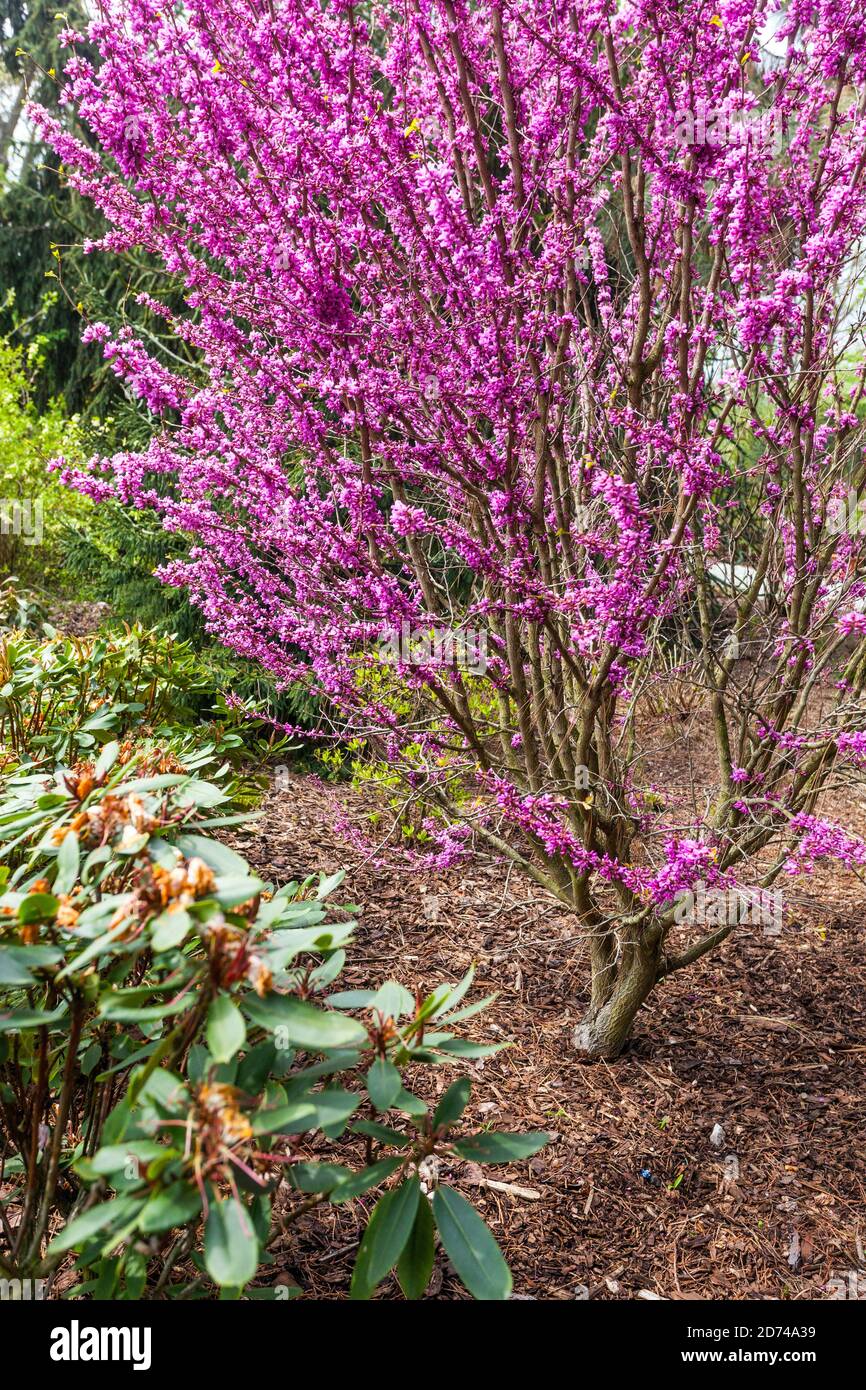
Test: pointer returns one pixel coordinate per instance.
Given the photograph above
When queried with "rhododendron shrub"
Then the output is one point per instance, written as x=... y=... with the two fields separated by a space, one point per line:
x=171 y=1048
x=537 y=325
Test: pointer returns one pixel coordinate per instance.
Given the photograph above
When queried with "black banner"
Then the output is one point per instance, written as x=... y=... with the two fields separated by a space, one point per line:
x=638 y=1338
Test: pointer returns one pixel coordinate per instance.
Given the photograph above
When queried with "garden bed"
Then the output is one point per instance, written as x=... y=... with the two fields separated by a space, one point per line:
x=766 y=1039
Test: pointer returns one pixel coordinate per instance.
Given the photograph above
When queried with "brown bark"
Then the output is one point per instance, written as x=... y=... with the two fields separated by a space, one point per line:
x=619 y=988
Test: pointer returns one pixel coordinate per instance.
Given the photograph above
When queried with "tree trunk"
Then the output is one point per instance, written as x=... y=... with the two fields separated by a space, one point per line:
x=619 y=987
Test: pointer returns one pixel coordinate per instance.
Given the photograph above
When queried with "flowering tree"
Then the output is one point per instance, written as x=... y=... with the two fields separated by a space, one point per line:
x=536 y=324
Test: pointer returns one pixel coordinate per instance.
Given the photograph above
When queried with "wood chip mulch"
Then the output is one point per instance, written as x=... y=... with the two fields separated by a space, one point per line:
x=631 y=1199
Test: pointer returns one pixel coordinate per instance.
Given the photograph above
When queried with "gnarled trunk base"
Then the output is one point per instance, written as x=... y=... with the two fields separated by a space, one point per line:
x=603 y=1033
x=619 y=988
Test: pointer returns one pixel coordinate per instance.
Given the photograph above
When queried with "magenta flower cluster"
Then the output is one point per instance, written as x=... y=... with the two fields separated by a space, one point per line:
x=471 y=327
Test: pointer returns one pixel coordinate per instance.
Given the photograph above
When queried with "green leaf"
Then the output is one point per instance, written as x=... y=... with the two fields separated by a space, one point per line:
x=135 y=1274
x=68 y=857
x=334 y=1107
x=386 y=1234
x=120 y=1011
x=95 y=858
x=150 y=784
x=462 y=1047
x=201 y=794
x=383 y=1133
x=306 y=1026
x=286 y=1119
x=233 y=889
x=410 y=1105
x=169 y=929
x=231 y=1247
x=469 y=1011
x=292 y=916
x=133 y=845
x=351 y=998
x=96 y=948
x=13 y=971
x=90 y=1057
x=470 y=1246
x=38 y=907
x=500 y=1148
x=454 y=996
x=328 y=1110
x=316 y=1177
x=106 y=760
x=226 y=1029
x=327 y=972
x=162 y=1087
x=452 y=1104
x=356 y=1184
x=33 y=957
x=285 y=944
x=139 y=1056
x=109 y=1273
x=91 y=1222
x=384 y=1083
x=415 y=1265
x=20 y=1020
x=327 y=885
x=256 y=1067
x=174 y=1206
x=216 y=855
x=113 y=1157
x=393 y=1000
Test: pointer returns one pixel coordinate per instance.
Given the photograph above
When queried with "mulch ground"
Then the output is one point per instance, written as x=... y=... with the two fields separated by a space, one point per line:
x=631 y=1199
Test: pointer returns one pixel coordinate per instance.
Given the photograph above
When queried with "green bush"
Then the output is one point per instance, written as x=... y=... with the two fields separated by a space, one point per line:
x=35 y=508
x=170 y=1037
x=61 y=546
x=20 y=610
x=64 y=697
x=112 y=559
